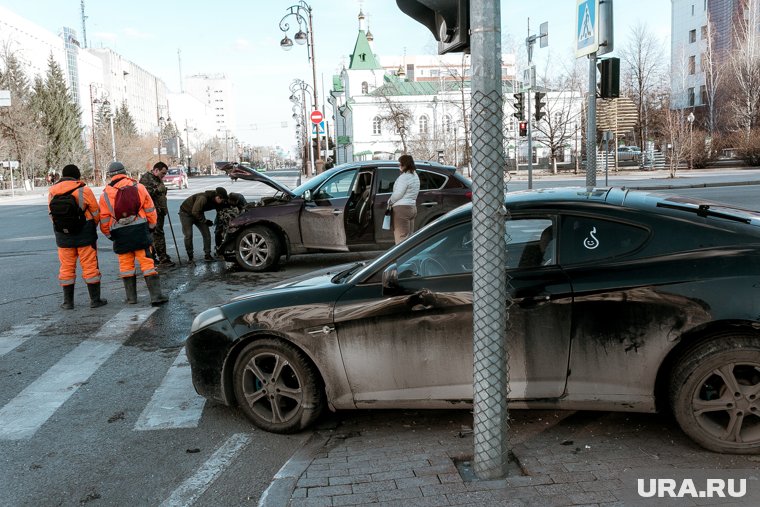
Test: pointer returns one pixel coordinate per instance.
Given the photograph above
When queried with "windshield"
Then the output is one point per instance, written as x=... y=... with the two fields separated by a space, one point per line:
x=314 y=182
x=172 y=172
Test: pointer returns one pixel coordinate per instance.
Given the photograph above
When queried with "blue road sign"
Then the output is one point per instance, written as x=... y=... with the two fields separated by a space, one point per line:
x=587 y=27
x=321 y=128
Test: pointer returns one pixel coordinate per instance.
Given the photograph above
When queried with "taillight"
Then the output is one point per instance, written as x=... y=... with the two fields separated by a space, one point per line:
x=468 y=195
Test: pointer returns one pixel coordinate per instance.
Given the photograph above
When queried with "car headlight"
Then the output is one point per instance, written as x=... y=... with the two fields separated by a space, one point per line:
x=205 y=319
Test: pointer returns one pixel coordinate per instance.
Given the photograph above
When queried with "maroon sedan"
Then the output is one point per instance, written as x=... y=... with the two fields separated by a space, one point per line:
x=340 y=209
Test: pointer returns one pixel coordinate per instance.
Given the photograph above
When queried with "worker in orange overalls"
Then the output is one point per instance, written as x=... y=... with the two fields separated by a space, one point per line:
x=78 y=244
x=130 y=233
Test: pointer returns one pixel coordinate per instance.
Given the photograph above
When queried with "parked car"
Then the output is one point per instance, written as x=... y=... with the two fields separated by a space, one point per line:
x=621 y=301
x=340 y=209
x=176 y=177
x=628 y=153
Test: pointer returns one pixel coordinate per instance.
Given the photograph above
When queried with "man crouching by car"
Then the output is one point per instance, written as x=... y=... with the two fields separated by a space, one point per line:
x=192 y=213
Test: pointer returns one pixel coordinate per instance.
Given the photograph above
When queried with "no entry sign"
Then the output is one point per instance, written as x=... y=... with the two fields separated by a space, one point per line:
x=316 y=116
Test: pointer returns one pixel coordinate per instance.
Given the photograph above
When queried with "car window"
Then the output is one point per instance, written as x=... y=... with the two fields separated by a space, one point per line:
x=386 y=176
x=336 y=187
x=586 y=239
x=447 y=253
x=530 y=242
x=430 y=181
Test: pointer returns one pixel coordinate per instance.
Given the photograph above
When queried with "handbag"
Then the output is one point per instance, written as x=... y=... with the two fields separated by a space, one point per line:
x=387 y=220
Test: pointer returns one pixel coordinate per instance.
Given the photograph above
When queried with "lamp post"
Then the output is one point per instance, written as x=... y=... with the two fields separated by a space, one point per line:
x=109 y=113
x=302 y=86
x=302 y=12
x=690 y=119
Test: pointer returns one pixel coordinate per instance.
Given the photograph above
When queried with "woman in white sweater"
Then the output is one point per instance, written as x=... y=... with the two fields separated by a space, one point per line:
x=403 y=200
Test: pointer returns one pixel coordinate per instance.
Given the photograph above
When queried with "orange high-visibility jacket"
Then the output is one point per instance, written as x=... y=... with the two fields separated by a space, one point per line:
x=147 y=209
x=86 y=199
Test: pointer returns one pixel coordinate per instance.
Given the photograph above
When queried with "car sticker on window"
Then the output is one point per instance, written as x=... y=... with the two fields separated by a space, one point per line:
x=591 y=242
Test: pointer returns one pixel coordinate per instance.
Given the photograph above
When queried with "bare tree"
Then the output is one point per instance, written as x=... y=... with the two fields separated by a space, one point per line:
x=712 y=65
x=642 y=63
x=745 y=66
x=676 y=129
x=395 y=115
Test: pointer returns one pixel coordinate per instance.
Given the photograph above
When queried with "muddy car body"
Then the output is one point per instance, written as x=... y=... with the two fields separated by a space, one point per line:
x=339 y=210
x=621 y=300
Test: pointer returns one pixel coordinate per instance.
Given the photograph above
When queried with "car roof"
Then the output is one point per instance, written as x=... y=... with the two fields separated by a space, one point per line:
x=572 y=198
x=422 y=164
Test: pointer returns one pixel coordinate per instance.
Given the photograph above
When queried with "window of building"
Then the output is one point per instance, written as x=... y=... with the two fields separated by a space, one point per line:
x=365 y=87
x=376 y=124
x=704 y=32
x=692 y=9
x=692 y=64
x=447 y=124
x=690 y=93
x=703 y=94
x=692 y=36
x=424 y=124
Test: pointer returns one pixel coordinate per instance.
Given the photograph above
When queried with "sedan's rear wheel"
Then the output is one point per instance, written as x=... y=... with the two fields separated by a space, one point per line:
x=257 y=249
x=276 y=387
x=715 y=394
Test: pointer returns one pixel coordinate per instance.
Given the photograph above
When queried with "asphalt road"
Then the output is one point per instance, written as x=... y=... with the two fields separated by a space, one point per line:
x=96 y=405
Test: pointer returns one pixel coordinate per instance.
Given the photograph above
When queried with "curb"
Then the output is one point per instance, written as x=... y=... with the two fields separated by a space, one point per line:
x=280 y=490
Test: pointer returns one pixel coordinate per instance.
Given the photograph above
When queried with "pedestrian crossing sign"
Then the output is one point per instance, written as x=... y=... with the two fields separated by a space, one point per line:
x=587 y=27
x=321 y=126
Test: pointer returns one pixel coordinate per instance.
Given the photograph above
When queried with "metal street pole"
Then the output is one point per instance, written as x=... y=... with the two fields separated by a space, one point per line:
x=489 y=283
x=113 y=137
x=95 y=174
x=591 y=123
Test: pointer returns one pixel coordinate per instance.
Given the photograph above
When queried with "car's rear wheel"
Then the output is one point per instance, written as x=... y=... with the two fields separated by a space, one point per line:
x=277 y=387
x=257 y=249
x=715 y=394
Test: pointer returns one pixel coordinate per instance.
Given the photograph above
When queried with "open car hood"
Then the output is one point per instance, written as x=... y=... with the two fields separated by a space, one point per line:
x=246 y=173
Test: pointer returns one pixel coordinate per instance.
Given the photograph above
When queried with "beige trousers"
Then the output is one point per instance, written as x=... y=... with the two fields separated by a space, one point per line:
x=403 y=222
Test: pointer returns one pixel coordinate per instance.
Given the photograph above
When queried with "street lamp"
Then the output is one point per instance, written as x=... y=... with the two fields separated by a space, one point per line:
x=302 y=13
x=690 y=119
x=303 y=131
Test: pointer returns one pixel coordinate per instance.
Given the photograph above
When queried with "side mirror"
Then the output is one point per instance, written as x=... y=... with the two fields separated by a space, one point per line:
x=307 y=195
x=390 y=279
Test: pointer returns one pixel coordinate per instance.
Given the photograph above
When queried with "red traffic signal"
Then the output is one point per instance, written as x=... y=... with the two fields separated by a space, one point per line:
x=523 y=128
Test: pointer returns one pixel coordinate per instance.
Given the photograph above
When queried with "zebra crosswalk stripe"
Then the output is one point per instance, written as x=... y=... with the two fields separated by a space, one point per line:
x=174 y=404
x=26 y=413
x=18 y=334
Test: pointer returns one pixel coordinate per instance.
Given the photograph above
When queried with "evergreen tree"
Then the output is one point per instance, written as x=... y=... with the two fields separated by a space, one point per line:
x=61 y=118
x=17 y=122
x=124 y=123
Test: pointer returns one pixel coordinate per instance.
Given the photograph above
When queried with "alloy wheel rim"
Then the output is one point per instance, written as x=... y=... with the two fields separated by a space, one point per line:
x=254 y=249
x=272 y=388
x=726 y=403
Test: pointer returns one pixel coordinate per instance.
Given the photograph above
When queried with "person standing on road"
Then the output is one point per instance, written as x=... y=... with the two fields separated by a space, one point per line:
x=403 y=200
x=154 y=184
x=192 y=213
x=77 y=241
x=126 y=216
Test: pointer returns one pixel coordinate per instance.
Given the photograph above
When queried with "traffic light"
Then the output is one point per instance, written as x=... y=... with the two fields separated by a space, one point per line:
x=540 y=105
x=609 y=87
x=519 y=106
x=448 y=20
x=523 y=128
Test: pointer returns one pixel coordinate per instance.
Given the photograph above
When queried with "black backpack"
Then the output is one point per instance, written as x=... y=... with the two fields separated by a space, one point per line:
x=68 y=216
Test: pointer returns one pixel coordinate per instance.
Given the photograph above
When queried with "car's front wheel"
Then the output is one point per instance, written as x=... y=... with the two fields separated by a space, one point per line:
x=277 y=387
x=715 y=394
x=257 y=249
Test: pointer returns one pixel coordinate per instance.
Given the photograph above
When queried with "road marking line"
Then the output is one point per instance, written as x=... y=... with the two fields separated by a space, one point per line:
x=26 y=413
x=28 y=238
x=190 y=490
x=18 y=334
x=175 y=404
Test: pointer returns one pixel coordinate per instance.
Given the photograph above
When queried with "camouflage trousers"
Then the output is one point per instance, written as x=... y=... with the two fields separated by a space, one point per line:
x=159 y=239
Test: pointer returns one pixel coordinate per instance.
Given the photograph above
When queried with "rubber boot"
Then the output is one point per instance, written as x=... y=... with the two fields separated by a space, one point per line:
x=68 y=297
x=95 y=299
x=157 y=298
x=130 y=285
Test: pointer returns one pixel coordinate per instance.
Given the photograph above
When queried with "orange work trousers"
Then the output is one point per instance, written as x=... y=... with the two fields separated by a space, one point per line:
x=88 y=258
x=143 y=258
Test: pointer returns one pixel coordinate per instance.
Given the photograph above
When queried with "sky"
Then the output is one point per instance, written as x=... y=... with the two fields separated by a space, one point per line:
x=240 y=38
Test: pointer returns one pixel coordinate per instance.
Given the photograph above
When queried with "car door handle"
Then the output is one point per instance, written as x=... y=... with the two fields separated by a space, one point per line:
x=337 y=212
x=429 y=204
x=532 y=301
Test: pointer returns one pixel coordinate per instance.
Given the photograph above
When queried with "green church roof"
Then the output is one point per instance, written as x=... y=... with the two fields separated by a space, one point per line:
x=362 y=57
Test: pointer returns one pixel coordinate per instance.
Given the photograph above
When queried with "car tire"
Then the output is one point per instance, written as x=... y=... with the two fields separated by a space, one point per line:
x=276 y=386
x=257 y=249
x=715 y=394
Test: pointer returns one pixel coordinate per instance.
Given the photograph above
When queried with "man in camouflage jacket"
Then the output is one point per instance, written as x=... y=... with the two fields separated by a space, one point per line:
x=154 y=183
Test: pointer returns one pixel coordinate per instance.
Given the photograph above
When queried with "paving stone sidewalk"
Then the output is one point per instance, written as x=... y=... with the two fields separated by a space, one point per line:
x=409 y=458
